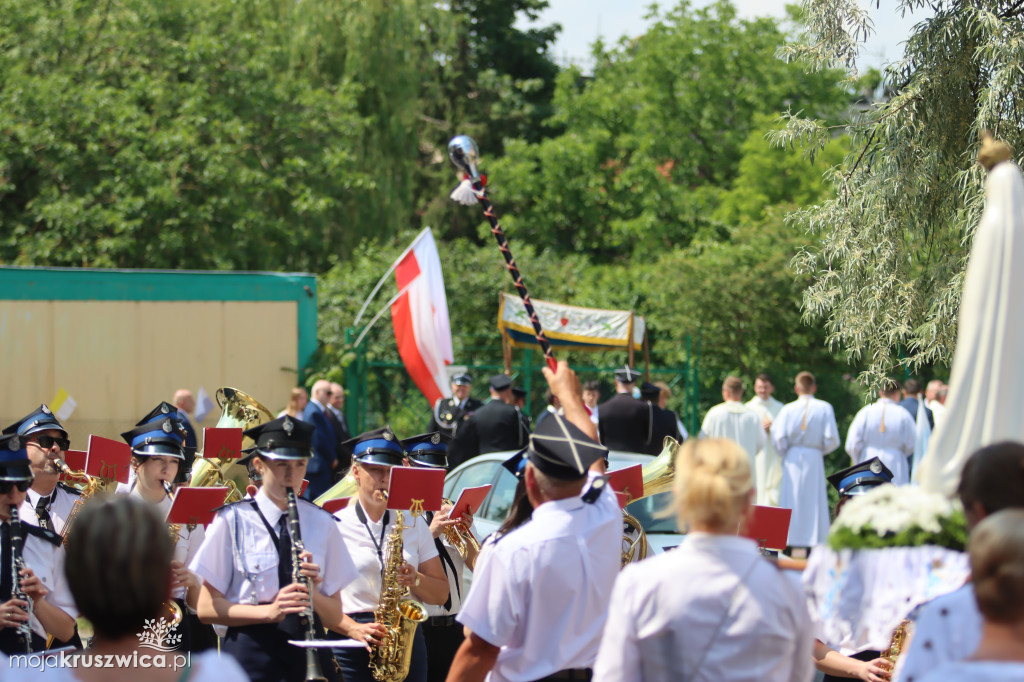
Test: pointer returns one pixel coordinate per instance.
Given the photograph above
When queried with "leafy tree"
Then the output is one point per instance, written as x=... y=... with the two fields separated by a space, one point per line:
x=661 y=122
x=890 y=248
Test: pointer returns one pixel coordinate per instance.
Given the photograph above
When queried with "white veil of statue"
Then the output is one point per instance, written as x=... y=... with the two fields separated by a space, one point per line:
x=985 y=404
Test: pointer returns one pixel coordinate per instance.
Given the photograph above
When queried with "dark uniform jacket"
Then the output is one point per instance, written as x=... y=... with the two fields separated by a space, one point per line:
x=664 y=423
x=494 y=427
x=447 y=415
x=625 y=423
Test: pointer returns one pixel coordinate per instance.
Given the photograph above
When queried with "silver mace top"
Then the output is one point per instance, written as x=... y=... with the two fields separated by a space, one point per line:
x=463 y=152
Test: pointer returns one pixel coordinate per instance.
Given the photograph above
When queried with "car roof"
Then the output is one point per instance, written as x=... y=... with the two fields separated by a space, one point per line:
x=616 y=459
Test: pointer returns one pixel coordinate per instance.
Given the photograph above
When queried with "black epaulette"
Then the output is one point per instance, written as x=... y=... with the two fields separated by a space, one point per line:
x=69 y=489
x=47 y=535
x=594 y=492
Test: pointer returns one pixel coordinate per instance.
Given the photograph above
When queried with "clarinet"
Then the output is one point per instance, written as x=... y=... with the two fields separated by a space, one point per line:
x=17 y=566
x=313 y=671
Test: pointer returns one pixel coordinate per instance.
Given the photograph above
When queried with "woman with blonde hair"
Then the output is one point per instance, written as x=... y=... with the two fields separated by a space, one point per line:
x=713 y=608
x=297 y=402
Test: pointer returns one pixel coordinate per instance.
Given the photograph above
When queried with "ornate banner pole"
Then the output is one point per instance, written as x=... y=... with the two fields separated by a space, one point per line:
x=463 y=152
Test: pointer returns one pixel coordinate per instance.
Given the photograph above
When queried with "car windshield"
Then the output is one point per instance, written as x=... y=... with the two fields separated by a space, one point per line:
x=651 y=513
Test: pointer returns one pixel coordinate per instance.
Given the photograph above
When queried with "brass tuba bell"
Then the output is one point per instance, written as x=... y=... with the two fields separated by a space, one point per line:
x=658 y=476
x=238 y=410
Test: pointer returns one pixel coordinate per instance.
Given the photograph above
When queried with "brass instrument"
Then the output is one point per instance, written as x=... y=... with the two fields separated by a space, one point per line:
x=24 y=630
x=658 y=476
x=91 y=486
x=238 y=410
x=313 y=671
x=390 y=660
x=346 y=487
x=460 y=536
x=896 y=644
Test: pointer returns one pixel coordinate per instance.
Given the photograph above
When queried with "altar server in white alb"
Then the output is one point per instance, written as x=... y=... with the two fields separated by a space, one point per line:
x=804 y=432
x=733 y=420
x=767 y=463
x=884 y=430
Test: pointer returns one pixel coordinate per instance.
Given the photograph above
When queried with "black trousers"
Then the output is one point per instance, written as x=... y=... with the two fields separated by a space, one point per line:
x=577 y=674
x=264 y=653
x=443 y=641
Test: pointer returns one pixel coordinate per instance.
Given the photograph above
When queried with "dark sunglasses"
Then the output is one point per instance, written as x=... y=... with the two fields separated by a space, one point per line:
x=7 y=486
x=46 y=442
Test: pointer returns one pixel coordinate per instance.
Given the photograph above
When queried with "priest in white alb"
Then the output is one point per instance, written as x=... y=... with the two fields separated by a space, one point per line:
x=884 y=430
x=768 y=464
x=803 y=433
x=733 y=420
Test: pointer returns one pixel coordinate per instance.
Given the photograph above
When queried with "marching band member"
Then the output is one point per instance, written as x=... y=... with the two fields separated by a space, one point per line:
x=158 y=450
x=443 y=635
x=42 y=579
x=49 y=502
x=119 y=558
x=246 y=562
x=713 y=608
x=365 y=525
x=540 y=594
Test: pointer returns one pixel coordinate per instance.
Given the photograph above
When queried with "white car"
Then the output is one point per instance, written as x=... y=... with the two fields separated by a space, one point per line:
x=662 y=531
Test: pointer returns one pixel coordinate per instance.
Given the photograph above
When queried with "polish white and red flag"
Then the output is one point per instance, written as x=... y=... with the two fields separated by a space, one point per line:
x=420 y=317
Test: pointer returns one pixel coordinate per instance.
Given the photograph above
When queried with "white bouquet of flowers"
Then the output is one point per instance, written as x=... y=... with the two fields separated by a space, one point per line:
x=899 y=516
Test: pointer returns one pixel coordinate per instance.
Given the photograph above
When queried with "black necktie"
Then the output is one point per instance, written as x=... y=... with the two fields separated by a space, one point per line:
x=284 y=553
x=43 y=514
x=5 y=562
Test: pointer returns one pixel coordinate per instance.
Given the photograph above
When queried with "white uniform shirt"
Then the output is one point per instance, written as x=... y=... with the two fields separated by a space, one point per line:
x=712 y=609
x=866 y=437
x=363 y=593
x=60 y=505
x=47 y=562
x=189 y=540
x=737 y=422
x=456 y=586
x=239 y=557
x=803 y=433
x=768 y=463
x=541 y=592
x=946 y=630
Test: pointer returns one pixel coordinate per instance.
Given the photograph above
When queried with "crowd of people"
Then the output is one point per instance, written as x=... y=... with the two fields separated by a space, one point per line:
x=547 y=600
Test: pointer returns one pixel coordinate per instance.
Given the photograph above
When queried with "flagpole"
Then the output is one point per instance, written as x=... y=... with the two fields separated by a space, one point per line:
x=379 y=314
x=366 y=303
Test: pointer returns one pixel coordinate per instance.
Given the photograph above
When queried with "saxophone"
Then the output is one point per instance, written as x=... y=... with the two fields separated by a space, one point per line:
x=92 y=485
x=24 y=630
x=389 y=661
x=174 y=529
x=896 y=644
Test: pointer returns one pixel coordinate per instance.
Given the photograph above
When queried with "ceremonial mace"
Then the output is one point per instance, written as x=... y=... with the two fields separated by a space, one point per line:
x=463 y=152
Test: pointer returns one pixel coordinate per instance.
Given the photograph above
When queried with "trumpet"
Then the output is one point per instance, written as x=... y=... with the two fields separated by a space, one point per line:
x=460 y=536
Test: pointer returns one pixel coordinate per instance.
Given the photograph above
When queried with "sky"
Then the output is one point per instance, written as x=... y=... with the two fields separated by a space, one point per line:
x=584 y=20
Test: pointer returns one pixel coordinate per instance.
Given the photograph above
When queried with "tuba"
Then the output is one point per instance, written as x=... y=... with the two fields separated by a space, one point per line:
x=238 y=410
x=346 y=487
x=658 y=476
x=390 y=660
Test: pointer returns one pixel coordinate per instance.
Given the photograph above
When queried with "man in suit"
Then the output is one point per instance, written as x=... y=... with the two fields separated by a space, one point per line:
x=663 y=422
x=325 y=441
x=449 y=413
x=336 y=415
x=494 y=427
x=624 y=422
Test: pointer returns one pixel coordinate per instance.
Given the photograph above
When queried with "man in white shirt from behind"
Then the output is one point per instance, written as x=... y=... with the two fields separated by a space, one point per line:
x=767 y=462
x=733 y=420
x=803 y=433
x=884 y=430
